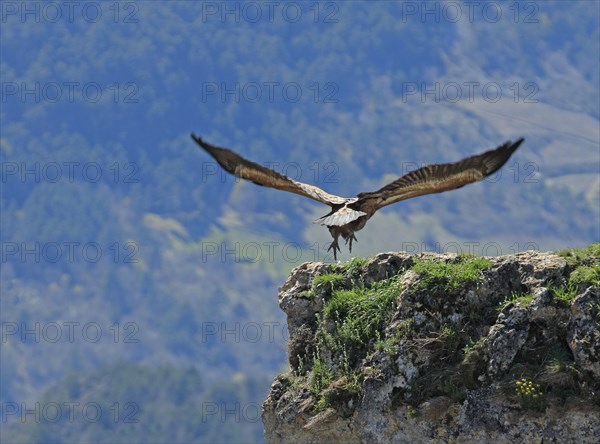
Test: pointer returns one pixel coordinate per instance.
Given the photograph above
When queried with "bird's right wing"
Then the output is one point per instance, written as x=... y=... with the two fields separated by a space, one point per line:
x=238 y=166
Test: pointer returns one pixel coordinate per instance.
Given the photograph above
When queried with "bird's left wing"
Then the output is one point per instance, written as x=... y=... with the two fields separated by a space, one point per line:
x=437 y=178
x=238 y=166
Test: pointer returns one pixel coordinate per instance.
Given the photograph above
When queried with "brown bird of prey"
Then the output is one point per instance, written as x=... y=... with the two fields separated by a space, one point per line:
x=350 y=214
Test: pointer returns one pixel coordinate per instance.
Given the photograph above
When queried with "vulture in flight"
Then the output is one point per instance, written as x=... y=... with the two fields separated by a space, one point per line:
x=350 y=214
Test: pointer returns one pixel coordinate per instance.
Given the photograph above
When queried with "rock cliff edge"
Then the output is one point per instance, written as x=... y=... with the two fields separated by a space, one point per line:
x=441 y=348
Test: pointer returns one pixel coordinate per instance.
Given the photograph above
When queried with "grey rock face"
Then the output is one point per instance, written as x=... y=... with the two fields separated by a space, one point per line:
x=584 y=331
x=440 y=348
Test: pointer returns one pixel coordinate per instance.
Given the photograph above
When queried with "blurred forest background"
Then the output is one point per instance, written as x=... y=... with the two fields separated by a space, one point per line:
x=139 y=283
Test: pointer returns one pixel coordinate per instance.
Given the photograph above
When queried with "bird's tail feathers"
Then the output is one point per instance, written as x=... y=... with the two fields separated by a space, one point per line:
x=340 y=217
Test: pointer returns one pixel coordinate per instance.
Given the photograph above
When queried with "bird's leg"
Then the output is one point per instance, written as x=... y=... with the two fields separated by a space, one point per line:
x=335 y=246
x=351 y=238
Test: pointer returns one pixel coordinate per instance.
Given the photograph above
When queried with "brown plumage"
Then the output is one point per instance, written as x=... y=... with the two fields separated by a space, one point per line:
x=349 y=215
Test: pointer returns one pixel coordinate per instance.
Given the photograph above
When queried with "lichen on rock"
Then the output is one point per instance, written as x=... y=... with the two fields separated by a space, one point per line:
x=441 y=348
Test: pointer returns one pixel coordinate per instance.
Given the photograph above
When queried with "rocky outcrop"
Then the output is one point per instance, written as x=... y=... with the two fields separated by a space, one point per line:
x=441 y=348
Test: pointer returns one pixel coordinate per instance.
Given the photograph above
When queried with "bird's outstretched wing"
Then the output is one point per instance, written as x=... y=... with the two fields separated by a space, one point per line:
x=238 y=166
x=437 y=178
